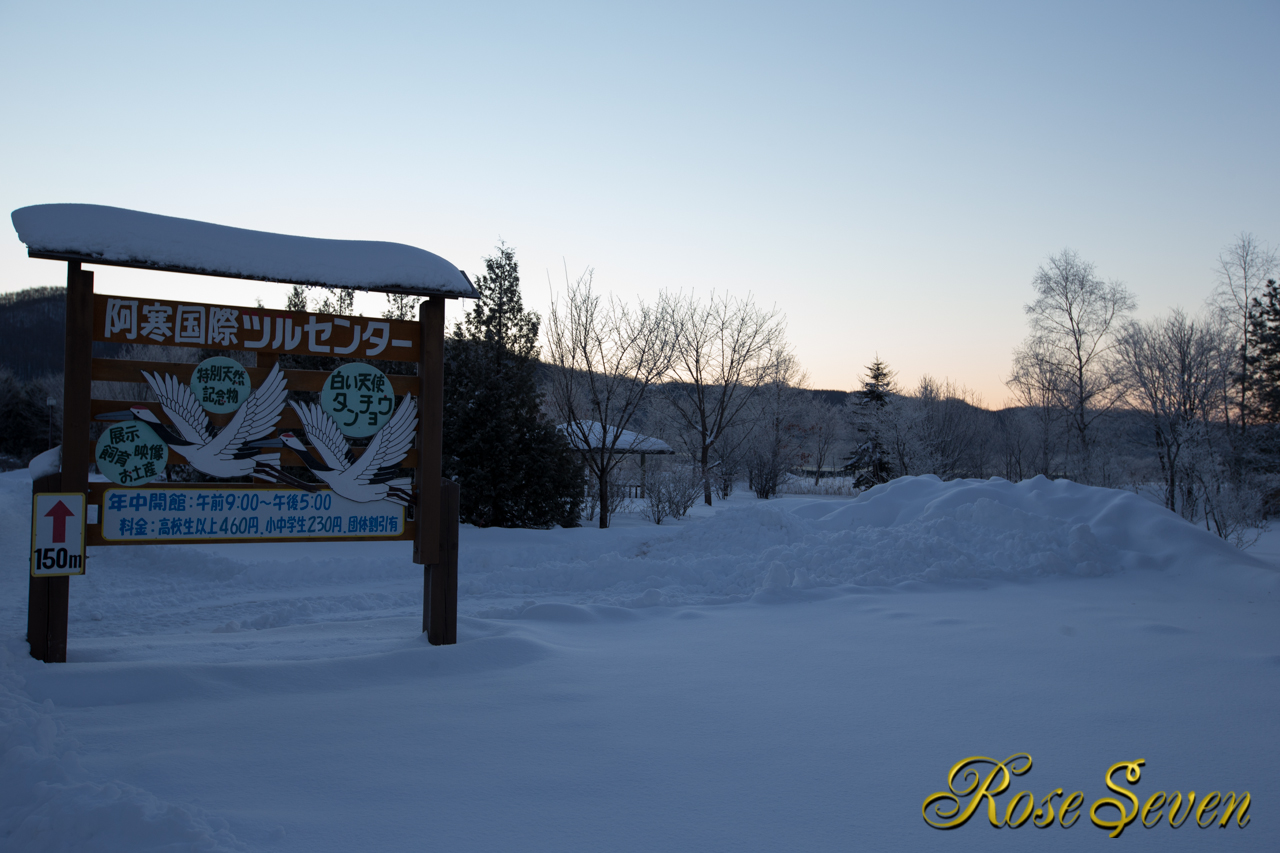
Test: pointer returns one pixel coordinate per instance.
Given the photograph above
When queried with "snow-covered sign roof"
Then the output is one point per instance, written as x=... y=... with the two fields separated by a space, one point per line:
x=628 y=441
x=113 y=236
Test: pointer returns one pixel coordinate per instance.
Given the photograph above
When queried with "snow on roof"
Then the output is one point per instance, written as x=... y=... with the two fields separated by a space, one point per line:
x=92 y=233
x=628 y=441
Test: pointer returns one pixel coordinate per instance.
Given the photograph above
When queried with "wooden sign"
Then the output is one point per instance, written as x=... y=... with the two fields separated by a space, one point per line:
x=233 y=429
x=234 y=423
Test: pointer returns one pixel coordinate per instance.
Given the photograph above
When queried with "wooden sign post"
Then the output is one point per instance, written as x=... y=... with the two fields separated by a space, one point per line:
x=238 y=424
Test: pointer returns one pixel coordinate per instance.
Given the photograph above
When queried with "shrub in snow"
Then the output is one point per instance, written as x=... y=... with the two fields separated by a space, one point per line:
x=670 y=492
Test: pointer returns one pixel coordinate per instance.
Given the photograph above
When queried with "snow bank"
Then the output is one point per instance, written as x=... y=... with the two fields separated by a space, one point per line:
x=49 y=462
x=147 y=240
x=907 y=533
x=915 y=530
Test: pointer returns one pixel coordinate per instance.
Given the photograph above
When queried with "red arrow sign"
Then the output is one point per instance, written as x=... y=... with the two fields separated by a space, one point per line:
x=60 y=513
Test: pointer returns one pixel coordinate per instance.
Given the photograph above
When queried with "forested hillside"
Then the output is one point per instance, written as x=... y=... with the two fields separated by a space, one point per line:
x=31 y=331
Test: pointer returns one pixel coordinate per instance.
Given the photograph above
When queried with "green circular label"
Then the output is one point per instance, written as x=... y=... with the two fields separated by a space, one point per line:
x=359 y=398
x=220 y=384
x=131 y=454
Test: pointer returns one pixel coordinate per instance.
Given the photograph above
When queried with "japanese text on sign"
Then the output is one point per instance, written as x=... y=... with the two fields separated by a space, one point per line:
x=359 y=399
x=172 y=515
x=131 y=454
x=237 y=328
x=220 y=384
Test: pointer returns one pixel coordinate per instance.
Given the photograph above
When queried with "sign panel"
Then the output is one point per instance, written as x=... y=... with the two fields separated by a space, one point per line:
x=57 y=534
x=130 y=454
x=242 y=515
x=120 y=319
x=220 y=384
x=359 y=399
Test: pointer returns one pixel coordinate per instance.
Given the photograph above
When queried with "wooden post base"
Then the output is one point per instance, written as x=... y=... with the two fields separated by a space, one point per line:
x=440 y=580
x=48 y=600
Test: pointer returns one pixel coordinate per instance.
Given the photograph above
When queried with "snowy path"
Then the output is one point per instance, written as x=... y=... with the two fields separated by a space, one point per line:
x=811 y=714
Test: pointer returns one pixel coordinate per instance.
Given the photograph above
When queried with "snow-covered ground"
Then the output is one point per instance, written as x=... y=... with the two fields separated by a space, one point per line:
x=797 y=674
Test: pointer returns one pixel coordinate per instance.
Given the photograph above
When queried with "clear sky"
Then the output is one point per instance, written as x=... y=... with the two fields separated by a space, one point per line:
x=890 y=175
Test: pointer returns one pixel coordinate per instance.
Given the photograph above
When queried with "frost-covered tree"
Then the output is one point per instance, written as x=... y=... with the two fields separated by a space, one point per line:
x=723 y=349
x=935 y=430
x=1243 y=270
x=1175 y=370
x=1074 y=319
x=513 y=467
x=822 y=431
x=604 y=357
x=1037 y=384
x=777 y=435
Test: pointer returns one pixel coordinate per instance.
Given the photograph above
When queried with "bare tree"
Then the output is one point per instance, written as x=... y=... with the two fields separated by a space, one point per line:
x=777 y=433
x=1174 y=369
x=1073 y=320
x=604 y=357
x=1037 y=386
x=823 y=429
x=933 y=431
x=1243 y=270
x=1014 y=446
x=722 y=353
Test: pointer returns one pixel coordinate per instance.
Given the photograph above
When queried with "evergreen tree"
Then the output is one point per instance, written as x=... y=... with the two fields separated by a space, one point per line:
x=514 y=468
x=879 y=383
x=1263 y=361
x=866 y=413
x=297 y=299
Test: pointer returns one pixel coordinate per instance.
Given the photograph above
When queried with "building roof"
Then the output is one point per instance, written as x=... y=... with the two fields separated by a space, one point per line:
x=628 y=441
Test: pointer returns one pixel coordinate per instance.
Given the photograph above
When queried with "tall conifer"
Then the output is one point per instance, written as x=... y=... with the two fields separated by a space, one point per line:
x=1263 y=363
x=514 y=469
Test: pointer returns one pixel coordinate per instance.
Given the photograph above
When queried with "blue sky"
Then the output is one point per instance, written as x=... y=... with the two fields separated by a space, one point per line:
x=888 y=176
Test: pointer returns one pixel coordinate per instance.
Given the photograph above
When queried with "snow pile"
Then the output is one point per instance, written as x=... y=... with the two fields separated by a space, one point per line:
x=164 y=242
x=907 y=533
x=910 y=531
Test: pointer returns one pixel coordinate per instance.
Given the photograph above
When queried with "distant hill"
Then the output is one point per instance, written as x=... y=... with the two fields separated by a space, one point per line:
x=32 y=332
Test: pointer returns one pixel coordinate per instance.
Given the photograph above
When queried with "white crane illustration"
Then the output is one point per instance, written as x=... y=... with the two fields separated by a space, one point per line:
x=372 y=477
x=234 y=451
